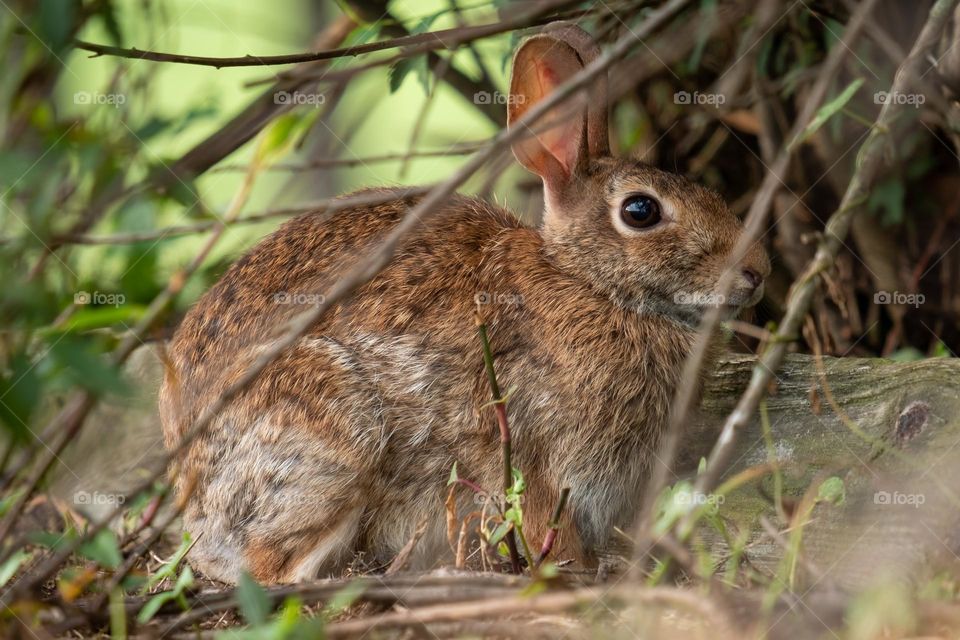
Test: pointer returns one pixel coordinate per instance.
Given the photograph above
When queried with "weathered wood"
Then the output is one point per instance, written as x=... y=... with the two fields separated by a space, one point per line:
x=900 y=473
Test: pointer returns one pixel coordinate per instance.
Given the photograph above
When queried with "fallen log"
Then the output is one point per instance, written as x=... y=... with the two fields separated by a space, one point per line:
x=888 y=430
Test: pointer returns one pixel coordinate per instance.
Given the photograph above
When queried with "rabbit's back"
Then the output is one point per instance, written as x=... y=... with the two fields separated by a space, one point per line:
x=428 y=285
x=362 y=414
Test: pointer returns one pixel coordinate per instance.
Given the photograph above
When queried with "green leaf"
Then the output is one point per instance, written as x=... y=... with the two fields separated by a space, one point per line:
x=12 y=564
x=832 y=491
x=118 y=615
x=184 y=582
x=400 y=69
x=425 y=23
x=674 y=502
x=99 y=317
x=169 y=568
x=503 y=399
x=133 y=582
x=153 y=606
x=826 y=112
x=51 y=540
x=254 y=603
x=363 y=34
x=81 y=365
x=103 y=549
x=500 y=532
x=888 y=196
x=108 y=15
x=9 y=500
x=283 y=134
x=833 y=32
x=519 y=484
x=20 y=389
x=907 y=354
x=57 y=22
x=941 y=350
x=343 y=599
x=548 y=570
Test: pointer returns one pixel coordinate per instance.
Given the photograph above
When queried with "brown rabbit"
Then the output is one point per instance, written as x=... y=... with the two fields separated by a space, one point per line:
x=345 y=443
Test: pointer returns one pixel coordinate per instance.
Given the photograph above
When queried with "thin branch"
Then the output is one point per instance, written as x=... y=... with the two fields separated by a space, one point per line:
x=419 y=43
x=500 y=406
x=553 y=527
x=616 y=597
x=461 y=149
x=326 y=207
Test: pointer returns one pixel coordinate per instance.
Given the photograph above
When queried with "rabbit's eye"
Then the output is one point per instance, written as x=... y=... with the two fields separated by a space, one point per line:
x=640 y=212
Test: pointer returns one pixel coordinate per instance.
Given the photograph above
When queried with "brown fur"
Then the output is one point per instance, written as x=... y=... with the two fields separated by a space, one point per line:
x=345 y=442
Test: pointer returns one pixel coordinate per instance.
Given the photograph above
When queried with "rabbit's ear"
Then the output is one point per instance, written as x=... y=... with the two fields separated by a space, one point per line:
x=564 y=137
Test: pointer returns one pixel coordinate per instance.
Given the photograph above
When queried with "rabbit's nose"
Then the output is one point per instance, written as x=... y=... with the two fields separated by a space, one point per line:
x=753 y=278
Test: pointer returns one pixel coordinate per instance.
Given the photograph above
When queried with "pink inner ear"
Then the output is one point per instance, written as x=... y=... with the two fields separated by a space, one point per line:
x=563 y=140
x=540 y=67
x=548 y=78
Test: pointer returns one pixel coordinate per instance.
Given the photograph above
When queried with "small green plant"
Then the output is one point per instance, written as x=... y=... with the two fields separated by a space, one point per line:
x=290 y=623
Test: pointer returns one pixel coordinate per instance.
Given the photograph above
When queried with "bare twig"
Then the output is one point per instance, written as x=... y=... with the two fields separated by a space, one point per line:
x=408 y=589
x=460 y=149
x=325 y=207
x=553 y=526
x=615 y=597
x=404 y=556
x=419 y=43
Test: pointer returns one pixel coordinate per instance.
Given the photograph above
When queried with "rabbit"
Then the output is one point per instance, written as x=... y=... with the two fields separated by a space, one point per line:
x=345 y=443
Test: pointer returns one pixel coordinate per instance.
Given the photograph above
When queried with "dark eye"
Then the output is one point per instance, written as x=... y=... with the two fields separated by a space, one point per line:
x=640 y=212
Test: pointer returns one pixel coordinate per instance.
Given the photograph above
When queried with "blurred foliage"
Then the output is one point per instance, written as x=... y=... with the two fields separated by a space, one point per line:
x=88 y=145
